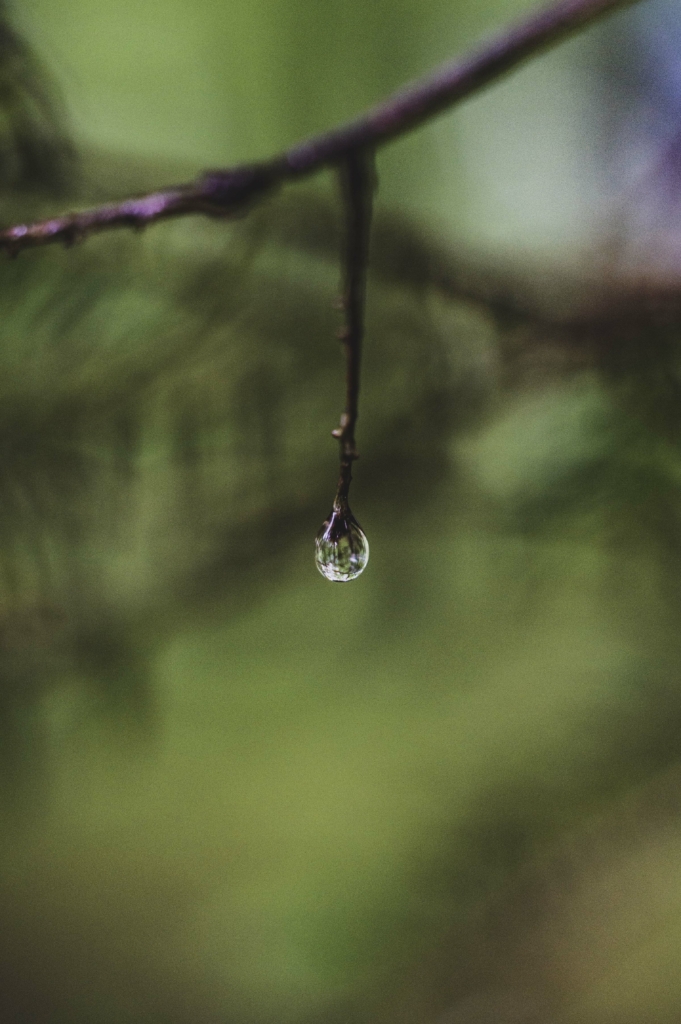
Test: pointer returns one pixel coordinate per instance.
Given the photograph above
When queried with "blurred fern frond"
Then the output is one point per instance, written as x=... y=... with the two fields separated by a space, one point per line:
x=35 y=150
x=166 y=412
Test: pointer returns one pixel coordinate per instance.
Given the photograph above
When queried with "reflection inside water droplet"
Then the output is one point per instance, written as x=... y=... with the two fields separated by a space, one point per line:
x=341 y=549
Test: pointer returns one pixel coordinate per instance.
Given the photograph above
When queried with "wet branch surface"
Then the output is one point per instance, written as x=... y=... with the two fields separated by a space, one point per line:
x=231 y=192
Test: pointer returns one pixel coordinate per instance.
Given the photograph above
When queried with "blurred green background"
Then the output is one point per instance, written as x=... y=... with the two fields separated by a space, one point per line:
x=232 y=791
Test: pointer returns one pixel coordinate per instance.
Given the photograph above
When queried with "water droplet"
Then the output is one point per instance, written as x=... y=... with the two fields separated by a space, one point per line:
x=341 y=549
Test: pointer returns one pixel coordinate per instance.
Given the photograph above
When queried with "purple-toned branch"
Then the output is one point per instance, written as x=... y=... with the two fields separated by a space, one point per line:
x=231 y=192
x=358 y=179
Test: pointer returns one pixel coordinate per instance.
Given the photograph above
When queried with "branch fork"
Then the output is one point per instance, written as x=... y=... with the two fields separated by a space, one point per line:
x=231 y=192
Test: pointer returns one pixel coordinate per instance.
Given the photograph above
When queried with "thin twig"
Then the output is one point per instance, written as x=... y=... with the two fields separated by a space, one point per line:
x=231 y=192
x=358 y=179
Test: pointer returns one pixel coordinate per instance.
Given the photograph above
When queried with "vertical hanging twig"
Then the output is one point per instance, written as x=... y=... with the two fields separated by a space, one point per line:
x=358 y=182
x=342 y=550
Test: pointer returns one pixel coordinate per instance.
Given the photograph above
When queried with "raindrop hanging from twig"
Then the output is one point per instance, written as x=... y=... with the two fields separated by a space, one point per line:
x=342 y=550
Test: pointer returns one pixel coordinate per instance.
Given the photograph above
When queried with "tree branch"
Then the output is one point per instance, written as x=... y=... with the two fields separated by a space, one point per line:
x=231 y=192
x=358 y=178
